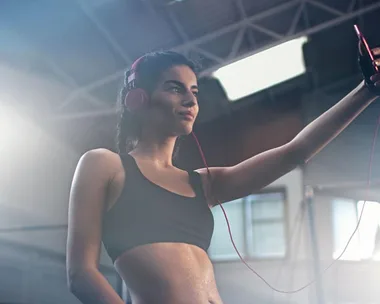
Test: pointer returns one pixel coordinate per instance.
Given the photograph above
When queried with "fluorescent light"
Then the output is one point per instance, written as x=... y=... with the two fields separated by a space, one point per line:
x=262 y=70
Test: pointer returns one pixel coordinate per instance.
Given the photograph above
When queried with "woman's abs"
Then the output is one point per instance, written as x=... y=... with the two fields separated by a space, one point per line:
x=168 y=273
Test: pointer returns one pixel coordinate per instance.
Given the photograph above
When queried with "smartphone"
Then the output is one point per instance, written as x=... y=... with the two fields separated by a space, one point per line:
x=366 y=46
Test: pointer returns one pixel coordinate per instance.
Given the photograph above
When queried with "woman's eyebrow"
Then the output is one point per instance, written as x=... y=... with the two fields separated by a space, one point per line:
x=179 y=83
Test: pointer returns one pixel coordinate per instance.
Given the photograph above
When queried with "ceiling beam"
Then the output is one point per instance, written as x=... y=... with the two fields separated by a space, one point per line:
x=117 y=48
x=265 y=31
x=241 y=9
x=106 y=34
x=296 y=18
x=310 y=30
x=171 y=20
x=237 y=43
x=325 y=7
x=190 y=44
x=57 y=70
x=242 y=31
x=178 y=26
x=335 y=20
x=351 y=6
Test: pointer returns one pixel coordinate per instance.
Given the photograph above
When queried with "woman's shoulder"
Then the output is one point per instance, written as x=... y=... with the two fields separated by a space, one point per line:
x=100 y=154
x=102 y=160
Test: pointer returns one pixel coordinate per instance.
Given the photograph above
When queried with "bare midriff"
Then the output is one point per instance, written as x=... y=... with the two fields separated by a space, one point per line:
x=170 y=273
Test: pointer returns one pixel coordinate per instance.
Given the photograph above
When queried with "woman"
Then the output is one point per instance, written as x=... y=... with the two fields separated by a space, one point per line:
x=155 y=219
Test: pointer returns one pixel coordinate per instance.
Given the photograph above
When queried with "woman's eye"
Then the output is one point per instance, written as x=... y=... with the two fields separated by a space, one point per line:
x=196 y=93
x=175 y=89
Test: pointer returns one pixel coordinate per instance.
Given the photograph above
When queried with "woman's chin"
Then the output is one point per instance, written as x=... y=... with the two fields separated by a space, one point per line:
x=189 y=129
x=185 y=129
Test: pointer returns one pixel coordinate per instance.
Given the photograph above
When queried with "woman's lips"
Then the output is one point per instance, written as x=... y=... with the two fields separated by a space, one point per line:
x=187 y=115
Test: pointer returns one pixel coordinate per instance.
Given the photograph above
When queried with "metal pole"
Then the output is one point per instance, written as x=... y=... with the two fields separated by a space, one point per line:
x=309 y=197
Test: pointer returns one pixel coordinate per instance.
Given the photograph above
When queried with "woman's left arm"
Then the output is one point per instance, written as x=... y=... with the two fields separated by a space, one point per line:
x=253 y=174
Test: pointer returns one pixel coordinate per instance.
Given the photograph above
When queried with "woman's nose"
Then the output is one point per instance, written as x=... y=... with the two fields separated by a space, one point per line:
x=189 y=103
x=190 y=100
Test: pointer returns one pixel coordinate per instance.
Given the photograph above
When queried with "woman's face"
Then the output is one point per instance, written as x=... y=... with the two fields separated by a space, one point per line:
x=173 y=107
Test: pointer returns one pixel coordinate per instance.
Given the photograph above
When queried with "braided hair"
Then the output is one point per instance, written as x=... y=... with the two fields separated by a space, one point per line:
x=149 y=70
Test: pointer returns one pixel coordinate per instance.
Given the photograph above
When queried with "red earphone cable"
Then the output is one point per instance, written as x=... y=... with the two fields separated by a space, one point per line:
x=357 y=226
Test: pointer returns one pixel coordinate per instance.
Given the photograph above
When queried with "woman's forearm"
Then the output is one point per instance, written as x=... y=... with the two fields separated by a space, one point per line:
x=91 y=287
x=317 y=134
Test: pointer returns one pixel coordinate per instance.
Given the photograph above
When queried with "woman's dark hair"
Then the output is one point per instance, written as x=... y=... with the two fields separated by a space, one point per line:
x=148 y=71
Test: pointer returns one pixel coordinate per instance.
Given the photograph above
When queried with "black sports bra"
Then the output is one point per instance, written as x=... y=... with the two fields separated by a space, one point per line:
x=146 y=213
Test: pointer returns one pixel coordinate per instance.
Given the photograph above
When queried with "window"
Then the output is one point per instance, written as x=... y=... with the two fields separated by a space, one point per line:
x=257 y=224
x=366 y=242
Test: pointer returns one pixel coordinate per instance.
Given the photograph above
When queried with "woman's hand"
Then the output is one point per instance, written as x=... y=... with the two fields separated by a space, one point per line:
x=368 y=66
x=376 y=78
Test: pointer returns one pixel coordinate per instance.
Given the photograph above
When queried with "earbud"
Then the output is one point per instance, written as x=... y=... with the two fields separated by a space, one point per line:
x=135 y=100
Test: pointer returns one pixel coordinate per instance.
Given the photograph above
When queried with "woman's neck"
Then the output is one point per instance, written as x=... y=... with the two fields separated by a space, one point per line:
x=158 y=151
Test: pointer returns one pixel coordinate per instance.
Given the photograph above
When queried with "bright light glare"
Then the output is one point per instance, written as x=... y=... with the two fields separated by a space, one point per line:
x=10 y=126
x=368 y=228
x=262 y=70
x=363 y=244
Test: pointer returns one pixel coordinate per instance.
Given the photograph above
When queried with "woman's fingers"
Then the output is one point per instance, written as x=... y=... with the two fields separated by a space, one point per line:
x=376 y=51
x=376 y=80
